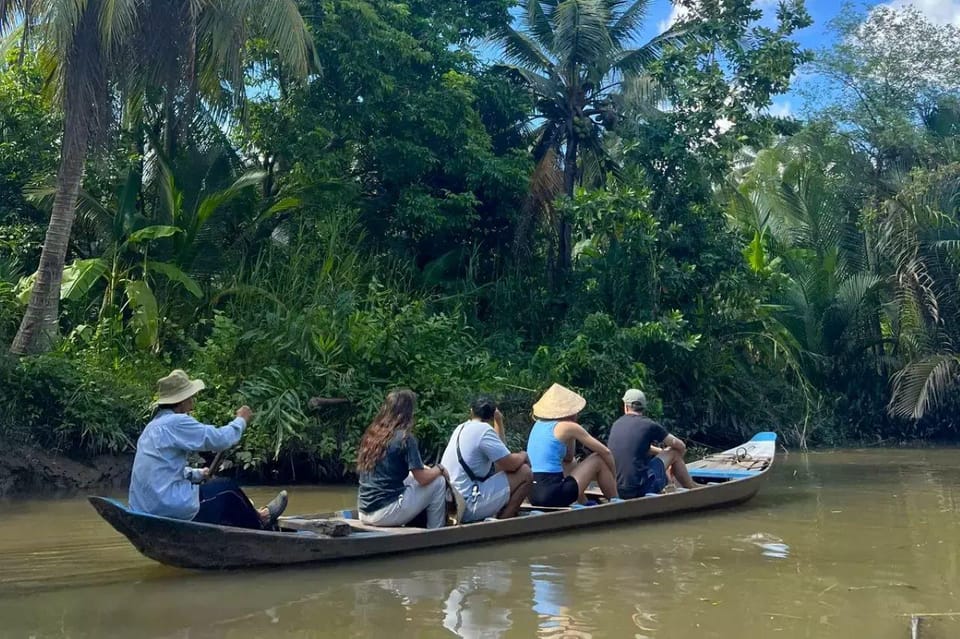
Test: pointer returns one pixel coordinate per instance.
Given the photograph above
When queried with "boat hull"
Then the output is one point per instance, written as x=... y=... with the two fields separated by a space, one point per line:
x=186 y=544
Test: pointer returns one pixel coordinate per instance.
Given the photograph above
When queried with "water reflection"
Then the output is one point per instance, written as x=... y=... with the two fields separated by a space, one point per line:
x=471 y=601
x=839 y=545
x=480 y=603
x=552 y=604
x=770 y=545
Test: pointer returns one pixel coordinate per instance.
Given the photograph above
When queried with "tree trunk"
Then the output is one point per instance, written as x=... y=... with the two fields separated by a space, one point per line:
x=38 y=330
x=190 y=70
x=565 y=230
x=25 y=37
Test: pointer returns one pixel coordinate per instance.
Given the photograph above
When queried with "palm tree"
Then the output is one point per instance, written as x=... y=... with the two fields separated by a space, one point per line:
x=792 y=201
x=576 y=58
x=22 y=12
x=920 y=237
x=131 y=50
x=83 y=39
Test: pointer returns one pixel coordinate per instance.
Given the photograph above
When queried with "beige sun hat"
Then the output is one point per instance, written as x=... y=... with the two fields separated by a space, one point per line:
x=176 y=387
x=559 y=401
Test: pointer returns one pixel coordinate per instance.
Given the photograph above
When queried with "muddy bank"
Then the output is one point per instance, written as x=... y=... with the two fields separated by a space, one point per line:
x=28 y=470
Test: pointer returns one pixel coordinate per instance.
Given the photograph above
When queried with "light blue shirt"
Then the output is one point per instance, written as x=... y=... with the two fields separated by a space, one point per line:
x=161 y=482
x=545 y=451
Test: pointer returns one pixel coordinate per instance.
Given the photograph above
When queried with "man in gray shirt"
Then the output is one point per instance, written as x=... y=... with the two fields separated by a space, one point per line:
x=492 y=480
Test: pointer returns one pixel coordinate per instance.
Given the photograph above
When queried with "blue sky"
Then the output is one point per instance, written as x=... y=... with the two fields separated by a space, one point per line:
x=817 y=36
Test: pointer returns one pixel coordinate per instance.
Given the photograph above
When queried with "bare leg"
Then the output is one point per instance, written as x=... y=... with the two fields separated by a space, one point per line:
x=521 y=481
x=593 y=467
x=673 y=462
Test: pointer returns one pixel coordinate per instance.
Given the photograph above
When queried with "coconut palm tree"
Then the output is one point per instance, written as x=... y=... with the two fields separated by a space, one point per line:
x=920 y=238
x=112 y=52
x=576 y=58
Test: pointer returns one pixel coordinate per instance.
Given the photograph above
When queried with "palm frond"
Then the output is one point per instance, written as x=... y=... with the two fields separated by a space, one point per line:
x=641 y=95
x=582 y=36
x=546 y=183
x=280 y=22
x=628 y=25
x=11 y=13
x=635 y=61
x=73 y=33
x=537 y=22
x=523 y=50
x=548 y=138
x=853 y=292
x=541 y=86
x=118 y=20
x=922 y=384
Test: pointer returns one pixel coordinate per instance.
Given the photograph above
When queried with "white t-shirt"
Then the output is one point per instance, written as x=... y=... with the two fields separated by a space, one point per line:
x=480 y=448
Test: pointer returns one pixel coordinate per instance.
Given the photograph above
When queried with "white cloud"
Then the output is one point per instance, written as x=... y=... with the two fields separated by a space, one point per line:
x=937 y=11
x=781 y=109
x=676 y=14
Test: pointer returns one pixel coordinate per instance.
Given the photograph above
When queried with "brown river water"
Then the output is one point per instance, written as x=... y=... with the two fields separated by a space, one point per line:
x=838 y=544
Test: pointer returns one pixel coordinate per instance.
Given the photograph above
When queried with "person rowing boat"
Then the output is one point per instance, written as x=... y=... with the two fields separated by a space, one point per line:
x=163 y=484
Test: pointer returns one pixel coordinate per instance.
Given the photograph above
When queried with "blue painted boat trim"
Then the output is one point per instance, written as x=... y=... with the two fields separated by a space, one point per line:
x=722 y=474
x=766 y=436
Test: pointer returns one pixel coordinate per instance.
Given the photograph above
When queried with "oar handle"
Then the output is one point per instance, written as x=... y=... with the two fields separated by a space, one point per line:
x=214 y=467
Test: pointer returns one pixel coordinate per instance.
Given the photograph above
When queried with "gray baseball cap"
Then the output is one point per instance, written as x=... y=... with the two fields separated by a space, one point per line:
x=635 y=396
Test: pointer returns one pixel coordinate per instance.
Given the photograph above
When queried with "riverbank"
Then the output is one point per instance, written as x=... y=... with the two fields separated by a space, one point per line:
x=29 y=470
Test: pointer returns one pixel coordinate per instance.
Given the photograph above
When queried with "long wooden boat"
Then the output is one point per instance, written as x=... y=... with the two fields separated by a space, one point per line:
x=728 y=478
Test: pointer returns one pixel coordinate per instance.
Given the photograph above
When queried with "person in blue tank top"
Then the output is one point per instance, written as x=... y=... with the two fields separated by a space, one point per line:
x=558 y=480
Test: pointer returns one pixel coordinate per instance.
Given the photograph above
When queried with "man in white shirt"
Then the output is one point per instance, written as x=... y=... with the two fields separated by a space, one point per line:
x=492 y=480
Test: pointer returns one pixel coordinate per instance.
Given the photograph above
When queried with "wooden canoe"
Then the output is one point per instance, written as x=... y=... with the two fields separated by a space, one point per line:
x=729 y=478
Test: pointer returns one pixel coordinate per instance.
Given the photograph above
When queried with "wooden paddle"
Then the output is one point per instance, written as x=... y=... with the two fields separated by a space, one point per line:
x=215 y=465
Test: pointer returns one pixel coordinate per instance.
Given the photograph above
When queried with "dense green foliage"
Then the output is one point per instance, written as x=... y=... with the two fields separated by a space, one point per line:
x=404 y=212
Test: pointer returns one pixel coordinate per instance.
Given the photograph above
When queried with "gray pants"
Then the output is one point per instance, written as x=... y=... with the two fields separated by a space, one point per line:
x=409 y=504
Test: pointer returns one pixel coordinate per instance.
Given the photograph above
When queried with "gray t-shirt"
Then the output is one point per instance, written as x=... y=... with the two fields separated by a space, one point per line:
x=480 y=448
x=382 y=485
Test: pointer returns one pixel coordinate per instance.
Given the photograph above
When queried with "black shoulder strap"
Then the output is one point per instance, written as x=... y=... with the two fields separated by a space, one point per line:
x=463 y=464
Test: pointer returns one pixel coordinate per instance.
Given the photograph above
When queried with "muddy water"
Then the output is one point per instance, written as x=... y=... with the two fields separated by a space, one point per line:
x=841 y=544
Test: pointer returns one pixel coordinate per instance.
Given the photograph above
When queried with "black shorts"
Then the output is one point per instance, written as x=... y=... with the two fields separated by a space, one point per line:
x=553 y=490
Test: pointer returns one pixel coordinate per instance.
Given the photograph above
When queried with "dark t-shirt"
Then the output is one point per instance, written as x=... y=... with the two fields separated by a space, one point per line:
x=382 y=485
x=629 y=441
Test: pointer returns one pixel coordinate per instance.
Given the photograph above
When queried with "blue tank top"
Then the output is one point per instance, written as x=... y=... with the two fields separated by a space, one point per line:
x=546 y=452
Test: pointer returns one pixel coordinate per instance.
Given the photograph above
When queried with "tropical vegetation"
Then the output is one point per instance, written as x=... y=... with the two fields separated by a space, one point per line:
x=326 y=199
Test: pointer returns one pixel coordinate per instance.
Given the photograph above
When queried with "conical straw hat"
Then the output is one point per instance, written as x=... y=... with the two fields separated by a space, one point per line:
x=558 y=402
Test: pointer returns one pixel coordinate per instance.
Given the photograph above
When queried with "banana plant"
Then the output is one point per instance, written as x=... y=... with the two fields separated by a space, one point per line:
x=189 y=219
x=125 y=264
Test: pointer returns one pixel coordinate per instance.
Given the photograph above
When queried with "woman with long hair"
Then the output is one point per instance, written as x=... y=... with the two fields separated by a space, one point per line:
x=395 y=486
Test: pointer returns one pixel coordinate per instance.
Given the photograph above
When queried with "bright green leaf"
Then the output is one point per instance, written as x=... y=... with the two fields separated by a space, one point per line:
x=174 y=274
x=80 y=276
x=146 y=314
x=153 y=233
